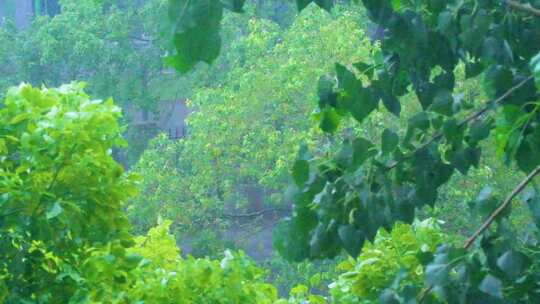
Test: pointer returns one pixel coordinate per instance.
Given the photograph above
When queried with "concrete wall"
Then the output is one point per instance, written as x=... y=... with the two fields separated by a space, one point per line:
x=19 y=11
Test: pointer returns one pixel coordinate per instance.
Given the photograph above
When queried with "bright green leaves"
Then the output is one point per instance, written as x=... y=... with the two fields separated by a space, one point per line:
x=394 y=254
x=63 y=192
x=196 y=26
x=326 y=4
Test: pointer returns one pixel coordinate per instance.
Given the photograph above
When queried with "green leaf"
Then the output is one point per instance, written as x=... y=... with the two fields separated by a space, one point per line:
x=325 y=91
x=479 y=130
x=300 y=172
x=362 y=150
x=351 y=238
x=54 y=211
x=329 y=120
x=465 y=158
x=234 y=5
x=533 y=202
x=512 y=263
x=389 y=141
x=492 y=286
x=443 y=102
x=359 y=101
x=391 y=103
x=420 y=121
x=196 y=32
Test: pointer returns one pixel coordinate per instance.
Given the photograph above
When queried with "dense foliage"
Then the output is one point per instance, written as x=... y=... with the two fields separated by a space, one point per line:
x=64 y=235
x=62 y=192
x=343 y=199
x=245 y=131
x=375 y=115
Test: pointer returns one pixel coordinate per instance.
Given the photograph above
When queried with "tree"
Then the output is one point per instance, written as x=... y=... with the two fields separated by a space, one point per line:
x=62 y=193
x=244 y=138
x=64 y=235
x=345 y=198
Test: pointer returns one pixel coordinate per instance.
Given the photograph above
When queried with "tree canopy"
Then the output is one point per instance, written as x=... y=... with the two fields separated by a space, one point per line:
x=365 y=118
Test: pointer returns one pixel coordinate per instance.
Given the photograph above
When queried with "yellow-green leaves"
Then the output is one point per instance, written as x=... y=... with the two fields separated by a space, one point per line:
x=62 y=192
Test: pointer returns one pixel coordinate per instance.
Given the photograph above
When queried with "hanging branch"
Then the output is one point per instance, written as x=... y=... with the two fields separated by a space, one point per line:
x=491 y=218
x=254 y=214
x=503 y=206
x=523 y=7
x=470 y=118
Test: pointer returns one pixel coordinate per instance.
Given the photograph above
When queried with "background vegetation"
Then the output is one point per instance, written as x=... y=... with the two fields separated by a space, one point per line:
x=337 y=152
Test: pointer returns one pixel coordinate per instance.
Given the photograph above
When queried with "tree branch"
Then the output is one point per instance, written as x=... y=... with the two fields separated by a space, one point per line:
x=503 y=206
x=508 y=199
x=470 y=118
x=253 y=214
x=523 y=7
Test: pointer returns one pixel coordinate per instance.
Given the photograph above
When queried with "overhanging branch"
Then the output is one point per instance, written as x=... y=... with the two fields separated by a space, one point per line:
x=523 y=7
x=502 y=207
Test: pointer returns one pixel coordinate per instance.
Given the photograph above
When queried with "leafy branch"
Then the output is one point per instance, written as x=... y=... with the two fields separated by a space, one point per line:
x=487 y=223
x=523 y=7
x=473 y=116
x=503 y=206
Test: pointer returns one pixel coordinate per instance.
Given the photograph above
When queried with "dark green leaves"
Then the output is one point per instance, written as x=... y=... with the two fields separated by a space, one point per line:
x=196 y=32
x=511 y=263
x=356 y=99
x=362 y=150
x=300 y=172
x=196 y=26
x=443 y=103
x=351 y=238
x=389 y=141
x=329 y=120
x=492 y=286
x=533 y=202
x=234 y=5
x=437 y=273
x=391 y=103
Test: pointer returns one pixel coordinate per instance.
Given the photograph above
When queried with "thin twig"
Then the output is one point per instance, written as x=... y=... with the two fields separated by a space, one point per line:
x=491 y=218
x=523 y=7
x=503 y=206
x=472 y=117
x=11 y=213
x=253 y=214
